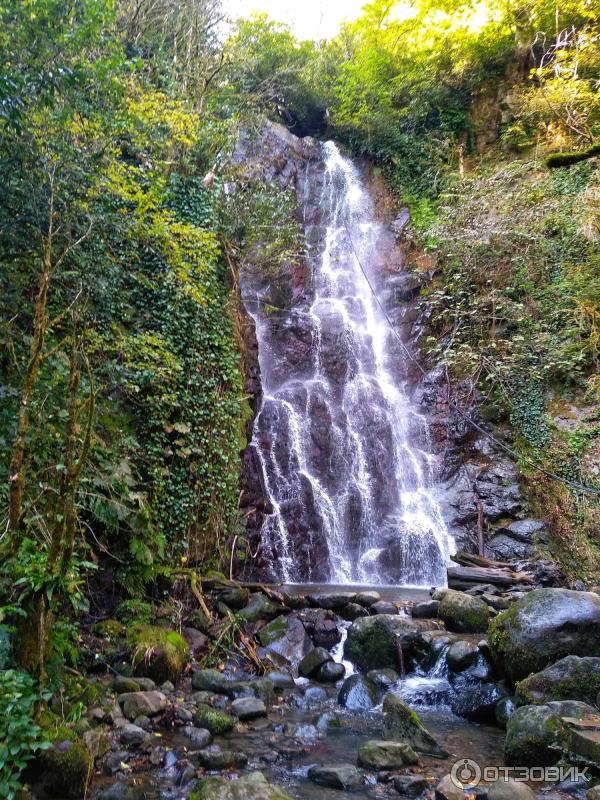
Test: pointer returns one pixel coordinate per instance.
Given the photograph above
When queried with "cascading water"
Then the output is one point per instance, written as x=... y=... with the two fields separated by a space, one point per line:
x=345 y=459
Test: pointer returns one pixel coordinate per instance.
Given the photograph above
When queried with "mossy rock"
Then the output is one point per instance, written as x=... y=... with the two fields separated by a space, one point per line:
x=463 y=613
x=544 y=626
x=67 y=766
x=372 y=642
x=402 y=724
x=215 y=721
x=198 y=620
x=247 y=788
x=157 y=653
x=110 y=629
x=133 y=611
x=571 y=678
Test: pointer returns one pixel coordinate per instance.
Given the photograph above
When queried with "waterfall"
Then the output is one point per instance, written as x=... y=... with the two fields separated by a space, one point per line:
x=346 y=462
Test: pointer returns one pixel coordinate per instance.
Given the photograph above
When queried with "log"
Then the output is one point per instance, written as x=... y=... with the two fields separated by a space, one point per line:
x=472 y=560
x=492 y=575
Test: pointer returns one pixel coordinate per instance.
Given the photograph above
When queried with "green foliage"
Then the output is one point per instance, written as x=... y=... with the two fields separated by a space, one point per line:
x=20 y=736
x=133 y=611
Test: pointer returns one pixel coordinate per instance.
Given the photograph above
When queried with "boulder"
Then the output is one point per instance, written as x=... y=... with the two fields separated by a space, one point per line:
x=67 y=767
x=199 y=737
x=133 y=735
x=463 y=613
x=447 y=789
x=373 y=642
x=287 y=638
x=235 y=597
x=410 y=785
x=571 y=678
x=353 y=611
x=156 y=652
x=245 y=788
x=215 y=721
x=260 y=607
x=402 y=724
x=367 y=599
x=358 y=693
x=147 y=704
x=461 y=655
x=246 y=708
x=510 y=790
x=542 y=627
x=313 y=661
x=383 y=607
x=428 y=609
x=336 y=776
x=330 y=672
x=210 y=680
x=503 y=710
x=535 y=735
x=321 y=626
x=281 y=680
x=332 y=602
x=386 y=755
x=384 y=678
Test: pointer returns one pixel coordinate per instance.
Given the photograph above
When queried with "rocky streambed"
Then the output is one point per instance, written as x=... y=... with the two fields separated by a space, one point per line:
x=332 y=694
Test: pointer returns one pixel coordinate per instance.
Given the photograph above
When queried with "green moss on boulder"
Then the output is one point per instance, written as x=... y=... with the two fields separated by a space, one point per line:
x=571 y=678
x=463 y=613
x=109 y=629
x=67 y=765
x=247 y=788
x=157 y=653
x=130 y=611
x=215 y=721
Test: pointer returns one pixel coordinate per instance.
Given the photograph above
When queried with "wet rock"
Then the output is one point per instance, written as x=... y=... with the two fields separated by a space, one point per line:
x=313 y=661
x=199 y=737
x=331 y=672
x=214 y=757
x=367 y=599
x=146 y=684
x=448 y=790
x=133 y=735
x=402 y=724
x=234 y=597
x=428 y=609
x=123 y=685
x=321 y=626
x=517 y=540
x=213 y=720
x=329 y=722
x=244 y=788
x=379 y=755
x=260 y=607
x=209 y=680
x=287 y=637
x=463 y=613
x=510 y=790
x=373 y=642
x=336 y=776
x=544 y=626
x=383 y=607
x=571 y=678
x=410 y=785
x=159 y=653
x=305 y=731
x=183 y=714
x=383 y=678
x=197 y=641
x=535 y=734
x=148 y=704
x=358 y=693
x=331 y=602
x=121 y=791
x=315 y=694
x=504 y=709
x=461 y=655
x=281 y=680
x=353 y=611
x=247 y=708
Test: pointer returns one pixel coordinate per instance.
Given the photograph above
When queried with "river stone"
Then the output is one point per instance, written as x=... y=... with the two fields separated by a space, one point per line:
x=235 y=597
x=280 y=679
x=124 y=685
x=241 y=789
x=367 y=599
x=461 y=655
x=383 y=607
x=330 y=672
x=503 y=710
x=428 y=609
x=248 y=708
x=331 y=602
x=510 y=790
x=410 y=785
x=384 y=678
x=287 y=637
x=463 y=613
x=321 y=626
x=122 y=791
x=336 y=776
x=353 y=611
x=313 y=661
x=214 y=757
x=209 y=680
x=199 y=737
x=215 y=721
x=535 y=734
x=571 y=678
x=148 y=704
x=544 y=626
x=386 y=755
x=260 y=607
x=448 y=790
x=373 y=642
x=315 y=694
x=132 y=735
x=358 y=693
x=402 y=724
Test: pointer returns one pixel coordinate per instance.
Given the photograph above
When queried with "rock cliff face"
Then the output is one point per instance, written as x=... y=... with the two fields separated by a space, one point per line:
x=477 y=481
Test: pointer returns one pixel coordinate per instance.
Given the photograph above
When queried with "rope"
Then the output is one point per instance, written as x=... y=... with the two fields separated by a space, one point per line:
x=573 y=484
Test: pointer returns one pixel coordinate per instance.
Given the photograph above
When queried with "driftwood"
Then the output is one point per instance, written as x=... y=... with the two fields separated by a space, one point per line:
x=496 y=576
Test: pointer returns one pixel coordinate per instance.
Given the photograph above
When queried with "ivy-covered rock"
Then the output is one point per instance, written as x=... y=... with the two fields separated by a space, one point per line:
x=542 y=627
x=215 y=721
x=156 y=652
x=571 y=678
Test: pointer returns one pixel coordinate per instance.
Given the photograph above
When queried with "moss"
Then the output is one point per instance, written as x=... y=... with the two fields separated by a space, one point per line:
x=463 y=613
x=242 y=789
x=67 y=765
x=133 y=611
x=273 y=631
x=157 y=653
x=217 y=722
x=109 y=629
x=567 y=159
x=198 y=620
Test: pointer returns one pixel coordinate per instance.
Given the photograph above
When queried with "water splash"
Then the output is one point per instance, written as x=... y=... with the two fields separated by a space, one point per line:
x=345 y=458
